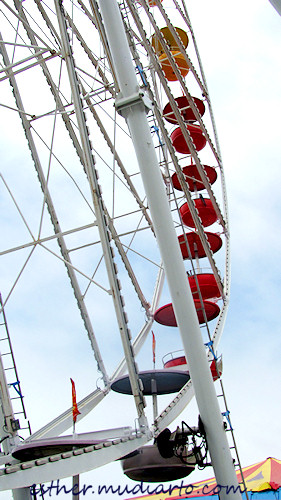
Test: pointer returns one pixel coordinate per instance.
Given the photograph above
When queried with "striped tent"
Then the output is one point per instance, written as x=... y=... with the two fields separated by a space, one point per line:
x=263 y=481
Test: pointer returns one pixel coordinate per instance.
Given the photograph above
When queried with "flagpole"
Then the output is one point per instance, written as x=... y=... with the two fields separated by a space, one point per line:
x=153 y=381
x=75 y=487
x=154 y=399
x=75 y=413
x=153 y=349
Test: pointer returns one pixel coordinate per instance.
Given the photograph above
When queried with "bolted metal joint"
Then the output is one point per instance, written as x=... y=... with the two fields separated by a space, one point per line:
x=139 y=97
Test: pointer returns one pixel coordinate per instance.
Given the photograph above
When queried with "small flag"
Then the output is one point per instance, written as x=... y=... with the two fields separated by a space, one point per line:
x=153 y=347
x=75 y=410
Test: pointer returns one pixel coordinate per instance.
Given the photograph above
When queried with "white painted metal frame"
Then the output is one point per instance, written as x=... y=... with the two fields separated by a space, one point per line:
x=68 y=464
x=135 y=115
x=134 y=110
x=277 y=5
x=101 y=220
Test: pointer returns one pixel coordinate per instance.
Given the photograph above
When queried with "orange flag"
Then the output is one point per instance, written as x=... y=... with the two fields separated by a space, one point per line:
x=75 y=410
x=153 y=347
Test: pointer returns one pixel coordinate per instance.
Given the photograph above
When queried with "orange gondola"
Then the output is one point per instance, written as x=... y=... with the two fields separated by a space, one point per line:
x=152 y=3
x=169 y=39
x=169 y=70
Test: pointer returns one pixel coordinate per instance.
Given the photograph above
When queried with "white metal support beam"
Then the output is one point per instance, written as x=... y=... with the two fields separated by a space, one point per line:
x=277 y=5
x=89 y=165
x=135 y=115
x=70 y=463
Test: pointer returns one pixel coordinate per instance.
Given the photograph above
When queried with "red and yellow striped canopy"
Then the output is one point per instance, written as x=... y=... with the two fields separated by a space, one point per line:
x=265 y=475
x=262 y=476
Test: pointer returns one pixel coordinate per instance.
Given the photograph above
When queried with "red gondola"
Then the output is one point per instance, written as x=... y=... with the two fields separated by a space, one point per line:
x=180 y=363
x=179 y=142
x=165 y=315
x=185 y=108
x=193 y=178
x=195 y=246
x=207 y=286
x=205 y=209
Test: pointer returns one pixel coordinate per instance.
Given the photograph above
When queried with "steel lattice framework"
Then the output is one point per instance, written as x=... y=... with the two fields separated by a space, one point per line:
x=86 y=208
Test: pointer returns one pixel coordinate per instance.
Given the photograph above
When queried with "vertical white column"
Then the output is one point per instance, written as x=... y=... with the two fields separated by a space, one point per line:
x=186 y=316
x=277 y=5
x=22 y=494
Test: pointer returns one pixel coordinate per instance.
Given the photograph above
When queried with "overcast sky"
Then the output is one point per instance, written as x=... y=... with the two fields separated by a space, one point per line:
x=239 y=44
x=243 y=73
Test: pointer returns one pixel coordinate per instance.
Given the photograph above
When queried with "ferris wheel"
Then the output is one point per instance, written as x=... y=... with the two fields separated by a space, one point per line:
x=115 y=212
